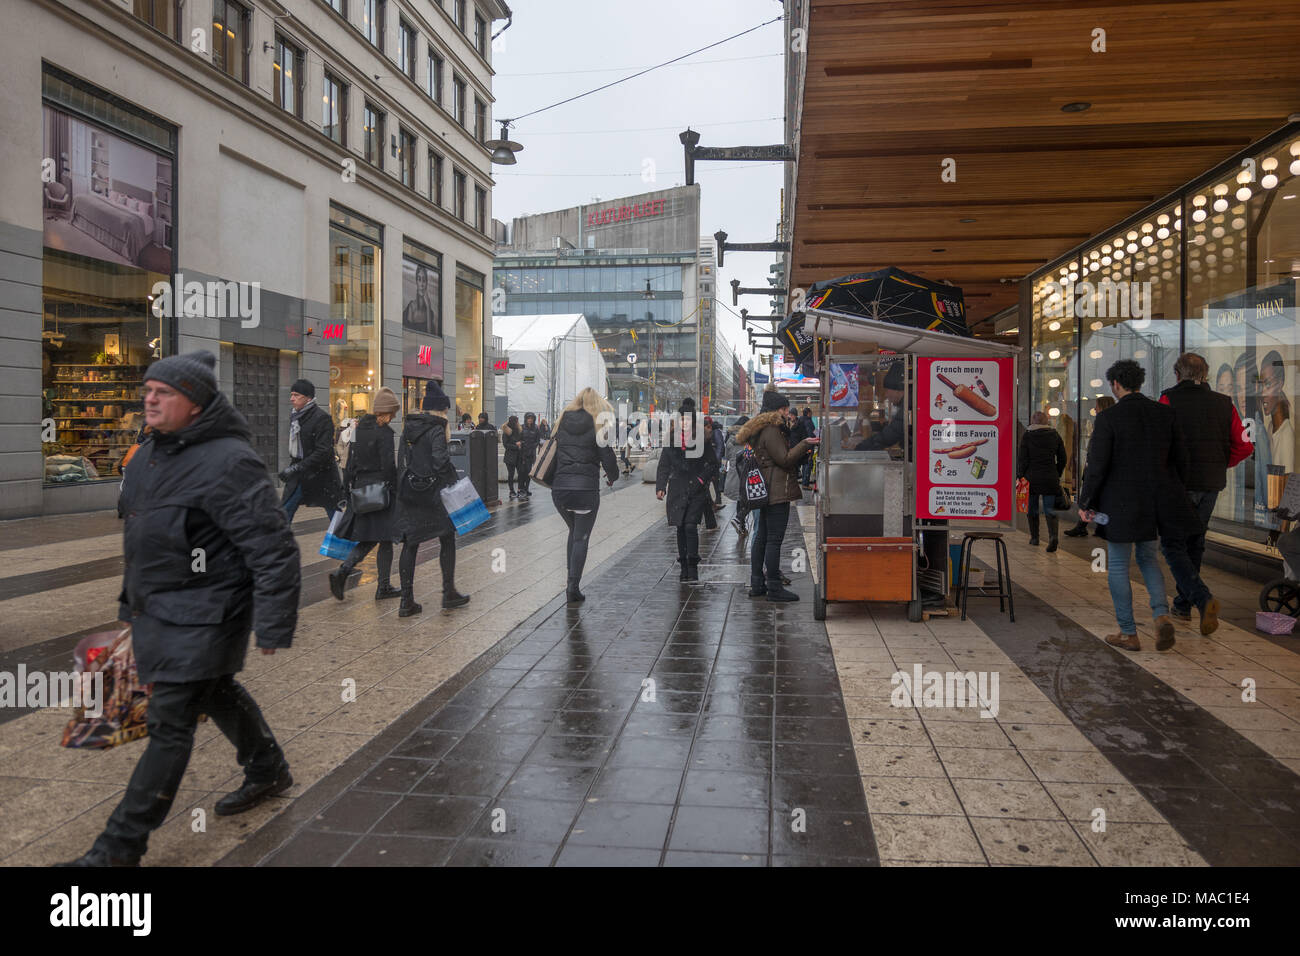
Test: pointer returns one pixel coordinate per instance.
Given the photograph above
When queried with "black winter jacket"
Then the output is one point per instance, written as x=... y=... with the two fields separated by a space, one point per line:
x=1042 y=459
x=529 y=439
x=424 y=451
x=373 y=459
x=317 y=471
x=207 y=551
x=1137 y=463
x=578 y=458
x=1206 y=420
x=685 y=474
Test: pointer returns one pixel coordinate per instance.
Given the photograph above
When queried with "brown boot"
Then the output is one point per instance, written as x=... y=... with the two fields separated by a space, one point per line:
x=1164 y=633
x=1128 y=642
x=1210 y=616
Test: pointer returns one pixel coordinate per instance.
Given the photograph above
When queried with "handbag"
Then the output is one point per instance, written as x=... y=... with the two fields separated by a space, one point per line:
x=543 y=471
x=368 y=498
x=464 y=506
x=1062 y=501
x=755 y=485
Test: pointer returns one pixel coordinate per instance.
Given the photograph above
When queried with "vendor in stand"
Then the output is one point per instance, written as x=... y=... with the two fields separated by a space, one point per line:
x=892 y=433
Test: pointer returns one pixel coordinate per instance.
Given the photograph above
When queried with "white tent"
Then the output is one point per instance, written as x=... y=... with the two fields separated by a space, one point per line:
x=559 y=359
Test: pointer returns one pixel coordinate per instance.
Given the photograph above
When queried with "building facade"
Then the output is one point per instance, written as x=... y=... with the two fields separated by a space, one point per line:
x=304 y=191
x=600 y=260
x=1212 y=268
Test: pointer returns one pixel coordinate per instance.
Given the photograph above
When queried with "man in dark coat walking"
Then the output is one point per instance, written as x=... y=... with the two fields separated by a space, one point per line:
x=1137 y=463
x=1042 y=460
x=208 y=555
x=687 y=466
x=1216 y=442
x=312 y=477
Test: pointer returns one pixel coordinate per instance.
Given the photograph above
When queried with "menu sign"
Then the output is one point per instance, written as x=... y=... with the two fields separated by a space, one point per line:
x=965 y=456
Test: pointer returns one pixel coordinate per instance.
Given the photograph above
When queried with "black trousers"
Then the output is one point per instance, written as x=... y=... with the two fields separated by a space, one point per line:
x=510 y=476
x=173 y=714
x=765 y=551
x=383 y=559
x=688 y=544
x=580 y=527
x=446 y=561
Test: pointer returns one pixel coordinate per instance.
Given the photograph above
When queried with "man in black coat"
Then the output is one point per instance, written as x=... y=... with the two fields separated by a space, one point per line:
x=208 y=555
x=1137 y=463
x=1216 y=442
x=312 y=477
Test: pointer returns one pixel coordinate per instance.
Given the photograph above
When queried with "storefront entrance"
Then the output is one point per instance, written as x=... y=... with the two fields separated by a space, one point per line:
x=257 y=379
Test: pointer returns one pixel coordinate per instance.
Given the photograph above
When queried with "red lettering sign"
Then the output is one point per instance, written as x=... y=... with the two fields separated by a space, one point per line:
x=653 y=207
x=500 y=365
x=333 y=332
x=425 y=356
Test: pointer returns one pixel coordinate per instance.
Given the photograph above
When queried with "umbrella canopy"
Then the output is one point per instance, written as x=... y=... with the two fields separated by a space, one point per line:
x=886 y=295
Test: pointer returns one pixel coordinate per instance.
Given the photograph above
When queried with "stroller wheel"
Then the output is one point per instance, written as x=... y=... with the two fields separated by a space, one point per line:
x=1281 y=595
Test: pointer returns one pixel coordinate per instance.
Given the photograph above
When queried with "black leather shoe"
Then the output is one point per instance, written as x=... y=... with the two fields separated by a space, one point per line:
x=757 y=592
x=386 y=591
x=408 y=610
x=454 y=598
x=781 y=595
x=574 y=596
x=338 y=579
x=94 y=857
x=1077 y=532
x=251 y=794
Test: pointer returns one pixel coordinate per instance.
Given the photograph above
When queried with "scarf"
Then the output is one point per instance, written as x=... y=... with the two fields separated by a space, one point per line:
x=295 y=429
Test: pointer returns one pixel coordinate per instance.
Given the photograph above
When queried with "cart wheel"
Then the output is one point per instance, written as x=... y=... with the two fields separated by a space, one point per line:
x=914 y=611
x=1281 y=595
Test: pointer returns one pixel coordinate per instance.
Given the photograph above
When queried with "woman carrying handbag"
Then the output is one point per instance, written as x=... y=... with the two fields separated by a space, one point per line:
x=687 y=467
x=370 y=482
x=424 y=468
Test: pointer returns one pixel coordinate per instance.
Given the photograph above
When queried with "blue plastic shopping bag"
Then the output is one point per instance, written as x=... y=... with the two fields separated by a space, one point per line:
x=464 y=506
x=333 y=546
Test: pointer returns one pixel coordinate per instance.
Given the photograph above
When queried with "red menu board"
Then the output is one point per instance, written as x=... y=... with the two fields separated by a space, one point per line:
x=965 y=435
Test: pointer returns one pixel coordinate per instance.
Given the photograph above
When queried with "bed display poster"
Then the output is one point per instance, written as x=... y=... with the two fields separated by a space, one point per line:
x=965 y=435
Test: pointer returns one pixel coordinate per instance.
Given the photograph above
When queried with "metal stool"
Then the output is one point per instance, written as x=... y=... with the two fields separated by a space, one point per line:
x=1003 y=594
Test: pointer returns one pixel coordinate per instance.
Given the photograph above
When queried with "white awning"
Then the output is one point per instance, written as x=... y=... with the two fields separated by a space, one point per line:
x=842 y=328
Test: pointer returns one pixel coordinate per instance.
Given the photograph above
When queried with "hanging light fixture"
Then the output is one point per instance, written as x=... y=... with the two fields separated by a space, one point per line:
x=1220 y=204
x=1198 y=214
x=1295 y=163
x=504 y=149
x=1269 y=179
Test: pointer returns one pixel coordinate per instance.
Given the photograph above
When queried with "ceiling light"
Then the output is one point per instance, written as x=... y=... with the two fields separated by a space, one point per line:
x=1097 y=327
x=1095 y=353
x=1054 y=354
x=1053 y=326
x=1095 y=383
x=1243 y=193
x=1054 y=383
x=1162 y=233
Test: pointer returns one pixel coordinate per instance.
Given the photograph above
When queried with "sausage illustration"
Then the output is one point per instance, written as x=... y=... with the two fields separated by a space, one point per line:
x=968 y=395
x=962 y=450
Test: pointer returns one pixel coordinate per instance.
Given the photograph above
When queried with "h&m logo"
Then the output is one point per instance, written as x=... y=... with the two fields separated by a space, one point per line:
x=425 y=356
x=333 y=331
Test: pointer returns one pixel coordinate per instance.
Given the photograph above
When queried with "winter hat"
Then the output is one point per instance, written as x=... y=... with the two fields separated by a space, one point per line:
x=774 y=401
x=687 y=407
x=303 y=387
x=385 y=402
x=894 y=377
x=435 y=399
x=192 y=374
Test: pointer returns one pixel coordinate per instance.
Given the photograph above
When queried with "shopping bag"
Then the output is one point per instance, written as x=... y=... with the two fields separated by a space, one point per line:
x=1022 y=495
x=107 y=675
x=755 y=484
x=333 y=546
x=464 y=506
x=543 y=471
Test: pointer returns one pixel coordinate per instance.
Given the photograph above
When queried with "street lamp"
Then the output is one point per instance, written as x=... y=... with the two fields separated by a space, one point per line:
x=504 y=149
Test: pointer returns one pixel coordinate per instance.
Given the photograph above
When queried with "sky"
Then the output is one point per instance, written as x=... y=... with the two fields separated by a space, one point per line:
x=597 y=146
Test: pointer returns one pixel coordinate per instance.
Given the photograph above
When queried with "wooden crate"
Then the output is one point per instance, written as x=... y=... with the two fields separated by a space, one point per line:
x=869 y=569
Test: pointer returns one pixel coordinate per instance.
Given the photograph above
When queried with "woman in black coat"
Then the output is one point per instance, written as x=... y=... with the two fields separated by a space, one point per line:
x=510 y=434
x=686 y=467
x=373 y=461
x=424 y=468
x=575 y=488
x=529 y=439
x=1042 y=460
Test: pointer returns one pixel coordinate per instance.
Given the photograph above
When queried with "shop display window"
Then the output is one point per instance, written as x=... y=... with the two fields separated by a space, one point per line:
x=356 y=297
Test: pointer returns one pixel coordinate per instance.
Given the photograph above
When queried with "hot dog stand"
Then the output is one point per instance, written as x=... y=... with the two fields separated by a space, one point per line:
x=883 y=520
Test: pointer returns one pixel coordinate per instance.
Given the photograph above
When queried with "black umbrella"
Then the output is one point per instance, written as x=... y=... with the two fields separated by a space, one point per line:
x=887 y=295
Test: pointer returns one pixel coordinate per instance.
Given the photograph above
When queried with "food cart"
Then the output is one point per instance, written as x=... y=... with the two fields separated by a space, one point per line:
x=883 y=520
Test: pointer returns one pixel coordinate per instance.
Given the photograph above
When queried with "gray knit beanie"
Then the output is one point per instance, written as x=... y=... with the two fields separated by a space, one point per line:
x=192 y=374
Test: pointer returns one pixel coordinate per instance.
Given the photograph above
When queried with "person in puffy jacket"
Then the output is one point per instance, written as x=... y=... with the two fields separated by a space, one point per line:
x=575 y=487
x=1042 y=460
x=372 y=461
x=529 y=441
x=424 y=468
x=208 y=555
x=510 y=434
x=687 y=466
x=766 y=435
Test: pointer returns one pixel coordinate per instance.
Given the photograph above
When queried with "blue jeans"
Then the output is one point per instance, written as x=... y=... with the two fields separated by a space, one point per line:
x=1041 y=504
x=1118 y=554
x=295 y=499
x=1188 y=591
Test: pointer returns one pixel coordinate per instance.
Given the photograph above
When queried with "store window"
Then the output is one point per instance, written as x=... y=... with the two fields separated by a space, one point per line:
x=107 y=235
x=413 y=393
x=469 y=341
x=356 y=297
x=162 y=15
x=288 y=76
x=421 y=289
x=230 y=39
x=1243 y=262
x=334 y=110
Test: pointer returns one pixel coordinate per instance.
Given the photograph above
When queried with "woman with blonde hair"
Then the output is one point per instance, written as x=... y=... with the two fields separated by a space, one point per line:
x=575 y=489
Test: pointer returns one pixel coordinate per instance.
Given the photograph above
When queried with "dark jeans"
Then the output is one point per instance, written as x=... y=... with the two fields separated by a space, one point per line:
x=295 y=499
x=510 y=476
x=383 y=560
x=1185 y=562
x=446 y=561
x=173 y=713
x=580 y=526
x=1041 y=504
x=717 y=487
x=688 y=544
x=769 y=532
x=805 y=476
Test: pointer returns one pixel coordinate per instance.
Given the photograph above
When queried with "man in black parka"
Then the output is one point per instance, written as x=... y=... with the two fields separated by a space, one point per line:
x=312 y=477
x=208 y=555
